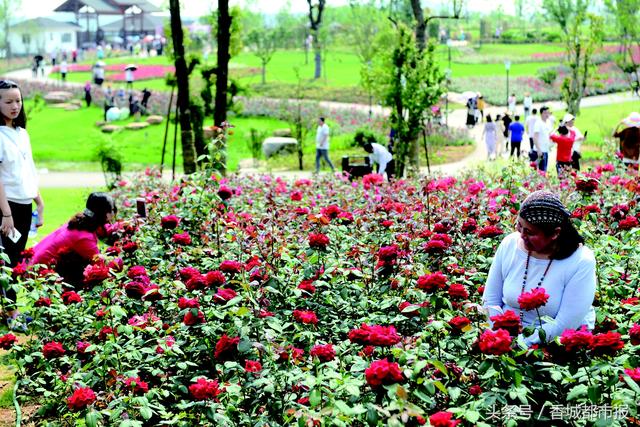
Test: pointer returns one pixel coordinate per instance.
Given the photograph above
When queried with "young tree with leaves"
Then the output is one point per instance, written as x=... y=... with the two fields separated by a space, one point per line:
x=8 y=10
x=627 y=18
x=409 y=81
x=583 y=34
x=263 y=42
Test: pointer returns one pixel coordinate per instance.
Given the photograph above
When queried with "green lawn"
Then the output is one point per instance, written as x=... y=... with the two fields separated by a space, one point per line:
x=60 y=205
x=67 y=140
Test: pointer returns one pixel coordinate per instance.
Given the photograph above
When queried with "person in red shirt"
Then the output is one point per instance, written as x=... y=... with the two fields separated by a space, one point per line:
x=564 y=139
x=70 y=248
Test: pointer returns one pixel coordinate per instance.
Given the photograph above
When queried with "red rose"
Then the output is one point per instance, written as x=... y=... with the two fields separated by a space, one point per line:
x=135 y=289
x=325 y=353
x=226 y=347
x=20 y=269
x=307 y=285
x=52 y=350
x=533 y=299
x=215 y=278
x=435 y=246
x=231 y=267
x=204 y=389
x=7 y=341
x=170 y=222
x=43 y=302
x=331 y=211
x=191 y=319
x=116 y=264
x=633 y=373
x=576 y=339
x=459 y=323
x=508 y=321
x=95 y=273
x=252 y=366
x=377 y=335
x=224 y=295
x=136 y=385
x=187 y=272
x=129 y=247
x=195 y=282
x=619 y=211
x=587 y=185
x=296 y=196
x=469 y=226
x=490 y=231
x=410 y=313
x=432 y=282
x=105 y=332
x=82 y=346
x=628 y=223
x=634 y=334
x=182 y=238
x=71 y=297
x=608 y=343
x=495 y=342
x=81 y=398
x=383 y=372
x=188 y=303
x=458 y=292
x=306 y=317
x=318 y=241
x=225 y=192
x=388 y=254
x=475 y=390
x=443 y=419
x=136 y=271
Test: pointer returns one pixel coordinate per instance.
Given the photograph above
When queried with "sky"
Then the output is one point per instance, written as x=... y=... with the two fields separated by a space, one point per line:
x=196 y=8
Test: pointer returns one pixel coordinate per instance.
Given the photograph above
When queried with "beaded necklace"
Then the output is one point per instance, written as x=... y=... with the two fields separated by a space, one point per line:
x=524 y=278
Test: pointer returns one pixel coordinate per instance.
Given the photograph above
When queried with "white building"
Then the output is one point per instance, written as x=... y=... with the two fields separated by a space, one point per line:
x=43 y=36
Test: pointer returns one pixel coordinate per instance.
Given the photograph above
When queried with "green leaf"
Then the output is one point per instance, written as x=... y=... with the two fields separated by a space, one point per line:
x=441 y=387
x=472 y=416
x=146 y=412
x=631 y=383
x=315 y=397
x=91 y=419
x=594 y=393
x=343 y=407
x=245 y=345
x=577 y=391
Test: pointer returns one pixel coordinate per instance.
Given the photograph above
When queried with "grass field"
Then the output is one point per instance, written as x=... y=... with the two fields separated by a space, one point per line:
x=68 y=140
x=341 y=68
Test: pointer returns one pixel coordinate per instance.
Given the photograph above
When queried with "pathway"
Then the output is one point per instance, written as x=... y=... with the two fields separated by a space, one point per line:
x=457 y=119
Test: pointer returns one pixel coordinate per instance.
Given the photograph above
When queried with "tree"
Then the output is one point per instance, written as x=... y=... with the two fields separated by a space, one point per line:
x=263 y=42
x=421 y=23
x=627 y=18
x=315 y=20
x=409 y=81
x=182 y=77
x=583 y=34
x=222 y=72
x=8 y=8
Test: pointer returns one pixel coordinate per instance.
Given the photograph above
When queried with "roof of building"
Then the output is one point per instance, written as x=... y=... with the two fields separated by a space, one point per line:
x=149 y=24
x=106 y=7
x=45 y=23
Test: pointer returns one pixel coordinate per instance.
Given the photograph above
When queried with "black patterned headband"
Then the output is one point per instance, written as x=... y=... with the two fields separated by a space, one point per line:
x=543 y=207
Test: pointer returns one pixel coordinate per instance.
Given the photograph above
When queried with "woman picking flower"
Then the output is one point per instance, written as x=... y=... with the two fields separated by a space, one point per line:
x=543 y=270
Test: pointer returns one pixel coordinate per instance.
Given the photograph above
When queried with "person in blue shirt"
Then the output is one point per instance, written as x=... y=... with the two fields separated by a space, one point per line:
x=516 y=130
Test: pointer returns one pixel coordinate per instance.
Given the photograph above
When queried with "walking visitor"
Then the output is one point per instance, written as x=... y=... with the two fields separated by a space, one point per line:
x=322 y=144
x=530 y=123
x=541 y=132
x=516 y=131
x=489 y=133
x=564 y=139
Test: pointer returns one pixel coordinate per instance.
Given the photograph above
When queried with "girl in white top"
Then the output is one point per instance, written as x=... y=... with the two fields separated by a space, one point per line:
x=18 y=179
x=546 y=252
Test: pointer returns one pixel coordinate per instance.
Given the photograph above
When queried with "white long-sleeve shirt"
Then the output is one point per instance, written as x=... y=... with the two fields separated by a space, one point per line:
x=381 y=156
x=570 y=283
x=322 y=137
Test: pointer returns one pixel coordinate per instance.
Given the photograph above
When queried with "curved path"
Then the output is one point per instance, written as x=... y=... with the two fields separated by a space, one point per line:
x=457 y=119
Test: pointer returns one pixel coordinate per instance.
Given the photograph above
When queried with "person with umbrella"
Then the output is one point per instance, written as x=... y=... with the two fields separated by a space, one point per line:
x=128 y=75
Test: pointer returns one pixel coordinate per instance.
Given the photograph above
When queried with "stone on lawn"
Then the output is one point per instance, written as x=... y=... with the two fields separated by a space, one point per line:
x=58 y=97
x=286 y=133
x=137 y=125
x=278 y=145
x=154 y=120
x=110 y=128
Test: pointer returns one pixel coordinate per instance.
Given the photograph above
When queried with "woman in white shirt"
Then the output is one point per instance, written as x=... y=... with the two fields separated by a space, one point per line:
x=382 y=157
x=545 y=252
x=18 y=181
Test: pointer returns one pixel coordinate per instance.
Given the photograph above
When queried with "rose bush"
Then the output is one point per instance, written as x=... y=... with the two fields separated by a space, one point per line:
x=247 y=323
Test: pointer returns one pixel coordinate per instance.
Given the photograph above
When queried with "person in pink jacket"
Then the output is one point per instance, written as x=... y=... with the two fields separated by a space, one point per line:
x=70 y=248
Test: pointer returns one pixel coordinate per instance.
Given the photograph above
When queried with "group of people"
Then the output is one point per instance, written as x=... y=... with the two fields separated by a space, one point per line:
x=76 y=240
x=541 y=132
x=137 y=104
x=379 y=155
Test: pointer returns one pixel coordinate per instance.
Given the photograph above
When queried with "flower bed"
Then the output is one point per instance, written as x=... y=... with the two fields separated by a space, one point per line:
x=257 y=301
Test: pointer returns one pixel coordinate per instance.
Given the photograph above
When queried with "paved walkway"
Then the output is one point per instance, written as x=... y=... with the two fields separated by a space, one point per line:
x=457 y=119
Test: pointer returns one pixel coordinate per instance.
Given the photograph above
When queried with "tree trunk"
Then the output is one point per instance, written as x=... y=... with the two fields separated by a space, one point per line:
x=182 y=77
x=264 y=72
x=414 y=157
x=222 y=77
x=318 y=61
x=421 y=24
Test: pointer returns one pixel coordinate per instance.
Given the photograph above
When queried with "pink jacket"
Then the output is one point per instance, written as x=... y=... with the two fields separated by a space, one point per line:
x=84 y=243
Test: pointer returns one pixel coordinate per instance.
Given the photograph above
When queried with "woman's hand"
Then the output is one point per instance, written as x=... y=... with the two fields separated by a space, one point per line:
x=7 y=226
